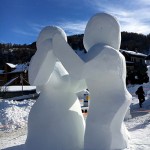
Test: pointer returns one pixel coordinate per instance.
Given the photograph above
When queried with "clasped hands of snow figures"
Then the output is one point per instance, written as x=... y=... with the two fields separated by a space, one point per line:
x=56 y=121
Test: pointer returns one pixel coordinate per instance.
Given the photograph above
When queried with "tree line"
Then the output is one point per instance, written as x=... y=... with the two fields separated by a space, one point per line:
x=17 y=53
x=129 y=41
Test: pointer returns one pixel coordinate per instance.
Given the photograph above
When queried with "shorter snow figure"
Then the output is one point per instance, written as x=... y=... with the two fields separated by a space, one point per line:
x=55 y=121
x=106 y=82
x=141 y=95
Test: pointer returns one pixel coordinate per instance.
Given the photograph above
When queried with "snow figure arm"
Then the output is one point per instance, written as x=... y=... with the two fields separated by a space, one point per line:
x=63 y=78
x=68 y=57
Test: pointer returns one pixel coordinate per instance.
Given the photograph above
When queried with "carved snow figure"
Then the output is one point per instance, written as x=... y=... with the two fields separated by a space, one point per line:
x=106 y=82
x=104 y=69
x=55 y=121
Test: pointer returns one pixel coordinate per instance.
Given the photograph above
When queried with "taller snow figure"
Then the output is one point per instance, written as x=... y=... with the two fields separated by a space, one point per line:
x=106 y=82
x=104 y=69
x=55 y=121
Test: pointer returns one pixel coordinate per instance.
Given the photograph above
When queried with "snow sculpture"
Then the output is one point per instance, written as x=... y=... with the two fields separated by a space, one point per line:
x=55 y=121
x=104 y=69
x=106 y=82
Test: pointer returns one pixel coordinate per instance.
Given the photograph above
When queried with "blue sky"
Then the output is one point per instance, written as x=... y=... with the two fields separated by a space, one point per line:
x=22 y=20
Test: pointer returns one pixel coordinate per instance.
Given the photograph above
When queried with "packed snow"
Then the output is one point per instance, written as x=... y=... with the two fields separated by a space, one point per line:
x=14 y=117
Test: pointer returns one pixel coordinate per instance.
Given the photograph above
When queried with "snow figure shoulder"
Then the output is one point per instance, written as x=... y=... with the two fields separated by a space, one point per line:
x=106 y=83
x=55 y=121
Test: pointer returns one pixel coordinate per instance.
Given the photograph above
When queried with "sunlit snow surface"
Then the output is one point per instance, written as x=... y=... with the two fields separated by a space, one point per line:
x=14 y=115
x=13 y=122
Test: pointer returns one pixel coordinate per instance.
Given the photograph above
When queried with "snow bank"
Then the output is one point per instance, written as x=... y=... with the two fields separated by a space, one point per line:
x=17 y=88
x=138 y=125
x=13 y=114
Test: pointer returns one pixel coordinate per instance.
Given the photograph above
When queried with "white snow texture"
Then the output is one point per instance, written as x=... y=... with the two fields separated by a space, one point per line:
x=56 y=119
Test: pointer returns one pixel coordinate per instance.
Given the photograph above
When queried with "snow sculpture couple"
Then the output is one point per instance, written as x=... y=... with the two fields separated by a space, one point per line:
x=56 y=121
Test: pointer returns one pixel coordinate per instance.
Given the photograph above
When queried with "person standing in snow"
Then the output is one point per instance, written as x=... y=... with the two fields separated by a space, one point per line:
x=141 y=95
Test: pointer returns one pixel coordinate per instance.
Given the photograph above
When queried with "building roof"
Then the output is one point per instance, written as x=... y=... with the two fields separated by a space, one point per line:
x=18 y=67
x=11 y=65
x=133 y=53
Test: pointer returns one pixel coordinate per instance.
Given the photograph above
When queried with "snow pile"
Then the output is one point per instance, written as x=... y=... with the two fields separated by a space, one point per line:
x=13 y=114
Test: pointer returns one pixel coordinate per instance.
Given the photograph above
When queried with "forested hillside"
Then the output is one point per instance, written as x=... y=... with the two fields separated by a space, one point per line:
x=16 y=53
x=130 y=41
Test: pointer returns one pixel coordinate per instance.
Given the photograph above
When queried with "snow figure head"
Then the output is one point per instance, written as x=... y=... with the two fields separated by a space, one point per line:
x=48 y=33
x=102 y=28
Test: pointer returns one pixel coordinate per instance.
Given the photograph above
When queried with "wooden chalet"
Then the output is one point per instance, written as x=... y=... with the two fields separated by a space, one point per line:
x=133 y=58
x=136 y=66
x=14 y=75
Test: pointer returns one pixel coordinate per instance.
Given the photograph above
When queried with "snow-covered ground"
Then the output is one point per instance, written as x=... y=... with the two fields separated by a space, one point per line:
x=14 y=117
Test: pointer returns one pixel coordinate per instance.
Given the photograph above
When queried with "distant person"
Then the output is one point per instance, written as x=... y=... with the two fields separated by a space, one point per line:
x=141 y=95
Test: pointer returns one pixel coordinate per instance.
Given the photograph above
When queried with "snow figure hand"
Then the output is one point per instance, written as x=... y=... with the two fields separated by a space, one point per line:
x=42 y=63
x=68 y=57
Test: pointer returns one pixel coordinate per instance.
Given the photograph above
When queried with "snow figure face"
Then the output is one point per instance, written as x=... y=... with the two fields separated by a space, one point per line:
x=102 y=28
x=47 y=34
